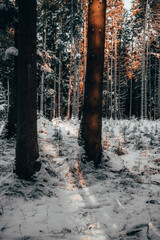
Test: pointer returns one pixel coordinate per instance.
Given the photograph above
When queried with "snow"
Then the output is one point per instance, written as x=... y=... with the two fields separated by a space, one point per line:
x=72 y=200
x=11 y=51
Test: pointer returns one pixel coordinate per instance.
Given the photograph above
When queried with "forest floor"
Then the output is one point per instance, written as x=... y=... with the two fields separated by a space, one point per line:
x=72 y=200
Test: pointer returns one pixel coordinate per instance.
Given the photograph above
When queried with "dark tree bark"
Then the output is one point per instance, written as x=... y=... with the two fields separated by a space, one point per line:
x=27 y=146
x=91 y=125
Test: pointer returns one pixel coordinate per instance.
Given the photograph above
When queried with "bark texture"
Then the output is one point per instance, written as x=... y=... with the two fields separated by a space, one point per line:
x=91 y=125
x=27 y=146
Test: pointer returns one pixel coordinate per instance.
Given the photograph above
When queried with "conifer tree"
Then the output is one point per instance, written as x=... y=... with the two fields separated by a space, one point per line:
x=27 y=146
x=91 y=125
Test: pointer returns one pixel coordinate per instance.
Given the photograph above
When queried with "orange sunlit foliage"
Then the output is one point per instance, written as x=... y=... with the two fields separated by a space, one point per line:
x=114 y=19
x=11 y=31
x=81 y=87
x=136 y=65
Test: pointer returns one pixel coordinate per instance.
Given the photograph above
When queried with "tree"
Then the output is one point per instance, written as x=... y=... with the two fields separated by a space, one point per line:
x=27 y=146
x=91 y=124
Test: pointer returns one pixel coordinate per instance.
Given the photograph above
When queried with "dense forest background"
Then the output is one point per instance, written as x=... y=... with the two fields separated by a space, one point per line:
x=79 y=119
x=131 y=69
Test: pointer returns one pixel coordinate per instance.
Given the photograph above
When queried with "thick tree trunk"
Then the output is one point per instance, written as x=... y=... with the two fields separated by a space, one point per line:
x=91 y=125
x=27 y=146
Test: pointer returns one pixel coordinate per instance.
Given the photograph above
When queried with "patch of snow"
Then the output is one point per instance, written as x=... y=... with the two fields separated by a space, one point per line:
x=11 y=51
x=72 y=200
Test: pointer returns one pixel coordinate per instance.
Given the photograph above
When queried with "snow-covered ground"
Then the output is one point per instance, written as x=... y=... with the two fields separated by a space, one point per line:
x=72 y=200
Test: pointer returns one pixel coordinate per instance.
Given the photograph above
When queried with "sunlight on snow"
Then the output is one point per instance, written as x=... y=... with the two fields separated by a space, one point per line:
x=95 y=229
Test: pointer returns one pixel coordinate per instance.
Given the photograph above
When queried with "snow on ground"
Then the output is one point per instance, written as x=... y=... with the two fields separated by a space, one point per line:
x=72 y=200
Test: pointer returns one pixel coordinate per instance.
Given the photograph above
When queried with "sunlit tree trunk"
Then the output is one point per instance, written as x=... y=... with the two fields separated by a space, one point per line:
x=27 y=146
x=91 y=125
x=85 y=3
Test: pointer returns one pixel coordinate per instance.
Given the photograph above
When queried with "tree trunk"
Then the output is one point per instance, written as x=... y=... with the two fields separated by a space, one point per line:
x=75 y=79
x=59 y=84
x=119 y=90
x=71 y=63
x=159 y=90
x=131 y=84
x=144 y=66
x=54 y=99
x=91 y=125
x=115 y=73
x=27 y=146
x=112 y=71
x=69 y=98
x=107 y=98
x=43 y=75
x=85 y=46
x=146 y=80
x=150 y=84
x=78 y=83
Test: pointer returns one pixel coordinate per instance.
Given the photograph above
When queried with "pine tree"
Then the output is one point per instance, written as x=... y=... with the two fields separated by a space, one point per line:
x=27 y=146
x=91 y=124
